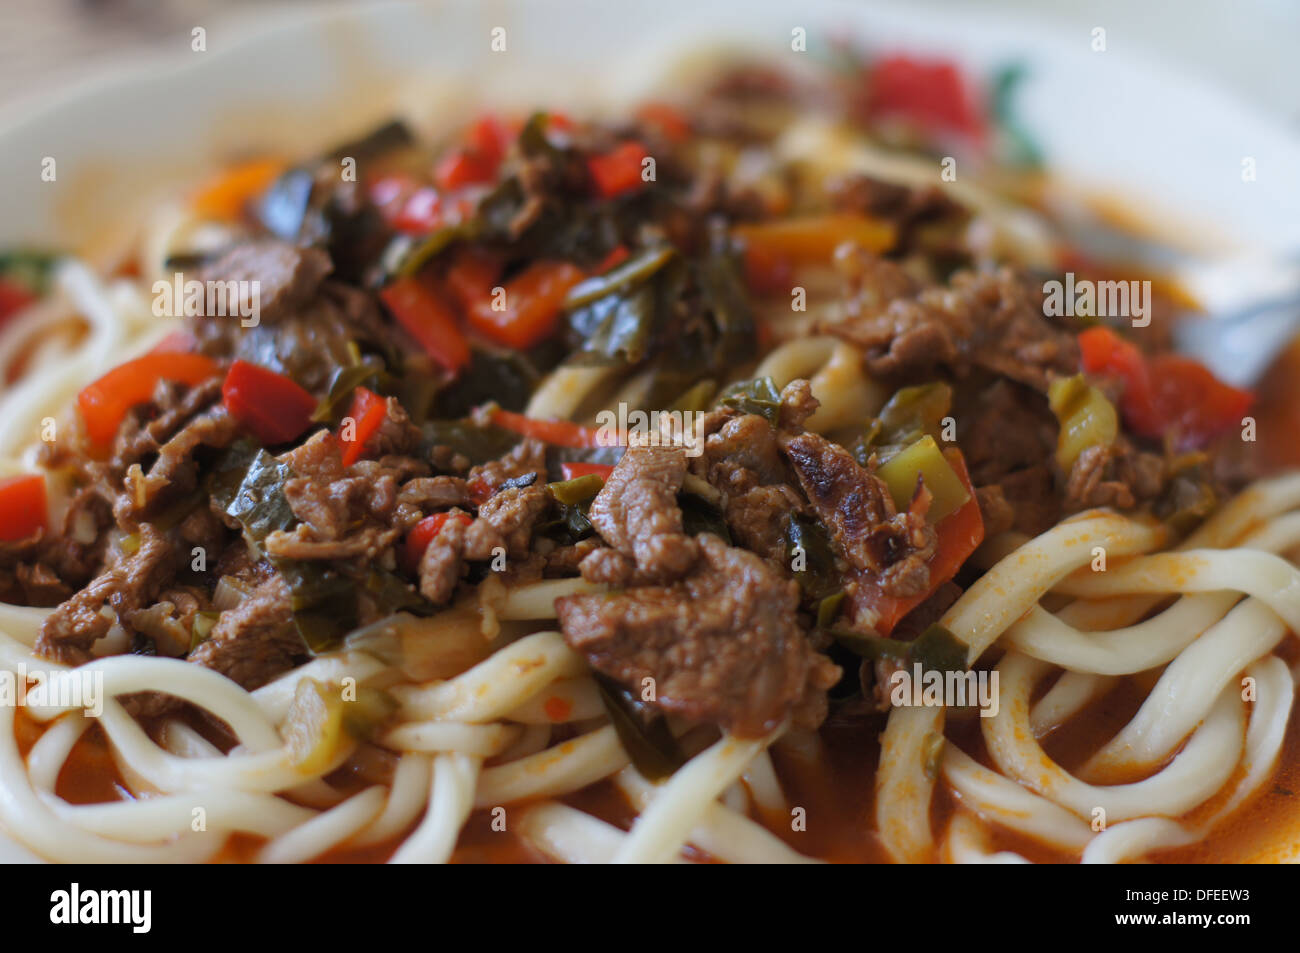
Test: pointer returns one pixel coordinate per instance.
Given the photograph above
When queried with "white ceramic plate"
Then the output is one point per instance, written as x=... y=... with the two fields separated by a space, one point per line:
x=1113 y=121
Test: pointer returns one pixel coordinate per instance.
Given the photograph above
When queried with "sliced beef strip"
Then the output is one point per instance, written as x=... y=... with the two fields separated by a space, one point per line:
x=857 y=509
x=307 y=325
x=396 y=435
x=1008 y=427
x=434 y=493
x=516 y=498
x=442 y=564
x=175 y=471
x=169 y=622
x=145 y=430
x=636 y=513
x=287 y=276
x=994 y=322
x=565 y=560
x=906 y=207
x=504 y=524
x=995 y=510
x=256 y=640
x=759 y=519
x=723 y=645
x=1033 y=496
x=1118 y=476
x=742 y=459
x=797 y=405
x=342 y=515
x=506 y=521
x=1008 y=439
x=132 y=583
x=743 y=454
x=26 y=578
x=527 y=457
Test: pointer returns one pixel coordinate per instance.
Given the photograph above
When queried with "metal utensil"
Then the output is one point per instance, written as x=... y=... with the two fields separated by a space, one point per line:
x=1251 y=303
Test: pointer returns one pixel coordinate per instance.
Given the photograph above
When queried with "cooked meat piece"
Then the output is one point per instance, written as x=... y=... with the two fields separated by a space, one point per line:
x=797 y=405
x=342 y=515
x=564 y=560
x=742 y=459
x=441 y=566
x=1032 y=494
x=759 y=519
x=876 y=198
x=1009 y=441
x=723 y=645
x=169 y=622
x=306 y=325
x=998 y=514
x=506 y=520
x=367 y=542
x=285 y=276
x=859 y=512
x=175 y=471
x=76 y=552
x=26 y=578
x=743 y=454
x=989 y=321
x=145 y=430
x=636 y=513
x=396 y=435
x=1117 y=476
x=870 y=282
x=1008 y=428
x=256 y=640
x=874 y=676
x=528 y=456
x=133 y=583
x=504 y=524
x=434 y=493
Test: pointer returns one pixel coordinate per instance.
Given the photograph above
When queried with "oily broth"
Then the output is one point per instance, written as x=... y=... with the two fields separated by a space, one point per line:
x=836 y=792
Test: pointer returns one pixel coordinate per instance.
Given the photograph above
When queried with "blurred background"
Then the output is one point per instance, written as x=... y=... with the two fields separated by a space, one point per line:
x=1250 y=47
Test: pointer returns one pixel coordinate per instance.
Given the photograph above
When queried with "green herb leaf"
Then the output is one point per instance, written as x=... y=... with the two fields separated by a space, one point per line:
x=758 y=396
x=808 y=545
x=700 y=516
x=259 y=504
x=642 y=729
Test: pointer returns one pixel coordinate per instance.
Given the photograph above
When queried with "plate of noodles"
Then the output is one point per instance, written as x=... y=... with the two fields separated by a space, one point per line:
x=553 y=432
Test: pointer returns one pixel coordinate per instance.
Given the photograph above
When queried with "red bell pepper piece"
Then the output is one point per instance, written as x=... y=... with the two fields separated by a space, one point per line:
x=960 y=534
x=490 y=138
x=105 y=403
x=472 y=276
x=559 y=433
x=534 y=301
x=421 y=310
x=178 y=342
x=931 y=93
x=617 y=255
x=618 y=171
x=669 y=120
x=23 y=506
x=1165 y=394
x=423 y=532
x=1192 y=403
x=462 y=167
x=13 y=298
x=270 y=405
x=572 y=471
x=407 y=205
x=367 y=412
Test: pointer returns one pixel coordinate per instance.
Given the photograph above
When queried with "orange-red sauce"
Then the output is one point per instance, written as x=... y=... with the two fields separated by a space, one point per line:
x=835 y=790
